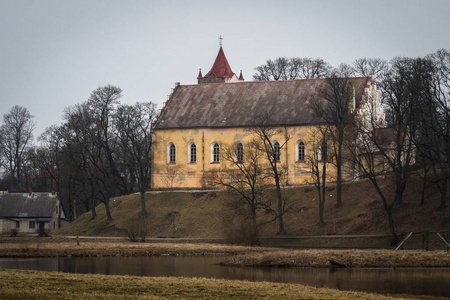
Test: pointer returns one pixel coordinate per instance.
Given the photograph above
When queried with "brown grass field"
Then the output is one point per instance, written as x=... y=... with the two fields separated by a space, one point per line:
x=211 y=215
x=19 y=284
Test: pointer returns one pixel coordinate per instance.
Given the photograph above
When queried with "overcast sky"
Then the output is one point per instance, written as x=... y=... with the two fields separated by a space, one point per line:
x=54 y=53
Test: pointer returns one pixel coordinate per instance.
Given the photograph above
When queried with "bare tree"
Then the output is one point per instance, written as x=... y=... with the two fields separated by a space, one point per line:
x=371 y=66
x=333 y=106
x=434 y=140
x=16 y=135
x=134 y=124
x=266 y=135
x=247 y=178
x=284 y=68
x=318 y=160
x=385 y=155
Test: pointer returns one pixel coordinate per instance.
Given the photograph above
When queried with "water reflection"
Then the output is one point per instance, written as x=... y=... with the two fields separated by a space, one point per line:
x=412 y=281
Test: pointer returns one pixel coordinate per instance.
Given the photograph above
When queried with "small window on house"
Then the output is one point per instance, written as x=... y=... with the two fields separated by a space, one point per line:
x=276 y=151
x=17 y=224
x=239 y=152
x=215 y=152
x=32 y=224
x=193 y=153
x=54 y=225
x=300 y=151
x=171 y=153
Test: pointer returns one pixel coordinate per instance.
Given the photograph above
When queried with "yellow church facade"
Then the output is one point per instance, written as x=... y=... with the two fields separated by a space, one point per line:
x=201 y=121
x=189 y=168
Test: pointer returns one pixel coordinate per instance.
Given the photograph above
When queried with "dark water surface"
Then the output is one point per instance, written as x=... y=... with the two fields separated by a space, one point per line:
x=422 y=281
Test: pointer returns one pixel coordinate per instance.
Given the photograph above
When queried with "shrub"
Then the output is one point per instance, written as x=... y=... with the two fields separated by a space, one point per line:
x=137 y=230
x=241 y=230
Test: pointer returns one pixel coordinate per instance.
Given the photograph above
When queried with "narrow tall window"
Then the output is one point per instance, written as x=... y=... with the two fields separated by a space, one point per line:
x=239 y=152
x=216 y=152
x=172 y=153
x=323 y=151
x=276 y=151
x=193 y=153
x=301 y=151
x=32 y=224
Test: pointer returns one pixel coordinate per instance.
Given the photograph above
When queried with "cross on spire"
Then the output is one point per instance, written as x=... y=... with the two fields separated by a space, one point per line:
x=220 y=40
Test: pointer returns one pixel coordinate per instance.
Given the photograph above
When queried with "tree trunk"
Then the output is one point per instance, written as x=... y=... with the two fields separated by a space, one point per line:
x=339 y=170
x=108 y=212
x=443 y=203
x=324 y=184
x=424 y=186
x=280 y=205
x=392 y=226
x=144 y=211
x=339 y=186
x=93 y=212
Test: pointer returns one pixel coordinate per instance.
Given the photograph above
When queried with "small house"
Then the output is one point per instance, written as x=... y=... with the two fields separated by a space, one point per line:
x=31 y=212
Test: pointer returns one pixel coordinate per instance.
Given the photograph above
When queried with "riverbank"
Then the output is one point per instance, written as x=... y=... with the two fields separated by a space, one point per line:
x=19 y=284
x=238 y=255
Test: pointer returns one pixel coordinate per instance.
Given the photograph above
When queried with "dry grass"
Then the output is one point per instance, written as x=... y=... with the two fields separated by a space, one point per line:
x=208 y=214
x=51 y=247
x=17 y=284
x=342 y=258
x=246 y=256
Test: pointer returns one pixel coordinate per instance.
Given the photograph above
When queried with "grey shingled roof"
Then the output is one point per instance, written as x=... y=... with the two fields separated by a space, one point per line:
x=40 y=205
x=216 y=105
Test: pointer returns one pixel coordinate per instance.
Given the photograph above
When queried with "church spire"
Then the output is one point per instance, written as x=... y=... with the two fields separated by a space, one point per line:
x=221 y=68
x=220 y=71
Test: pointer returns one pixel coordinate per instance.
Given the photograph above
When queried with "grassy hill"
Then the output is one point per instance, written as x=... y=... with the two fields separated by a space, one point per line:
x=212 y=214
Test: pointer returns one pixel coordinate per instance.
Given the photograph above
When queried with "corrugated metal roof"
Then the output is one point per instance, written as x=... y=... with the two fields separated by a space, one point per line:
x=21 y=205
x=240 y=104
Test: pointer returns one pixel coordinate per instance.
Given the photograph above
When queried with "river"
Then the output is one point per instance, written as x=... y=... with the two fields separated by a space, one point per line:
x=423 y=281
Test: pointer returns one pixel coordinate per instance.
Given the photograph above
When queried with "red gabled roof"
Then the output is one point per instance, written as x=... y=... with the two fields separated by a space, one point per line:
x=221 y=68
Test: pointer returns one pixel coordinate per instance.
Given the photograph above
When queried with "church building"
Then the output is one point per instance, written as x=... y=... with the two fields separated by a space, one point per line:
x=199 y=121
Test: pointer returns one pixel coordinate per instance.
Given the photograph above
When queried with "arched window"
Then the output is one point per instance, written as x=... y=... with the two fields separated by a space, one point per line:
x=192 y=153
x=171 y=153
x=300 y=151
x=323 y=151
x=276 y=151
x=215 y=152
x=239 y=152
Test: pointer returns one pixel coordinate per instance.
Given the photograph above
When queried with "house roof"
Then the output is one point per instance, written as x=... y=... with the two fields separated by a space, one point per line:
x=220 y=68
x=17 y=205
x=239 y=104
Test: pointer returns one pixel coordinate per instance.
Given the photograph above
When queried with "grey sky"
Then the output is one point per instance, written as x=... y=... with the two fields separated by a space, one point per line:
x=54 y=53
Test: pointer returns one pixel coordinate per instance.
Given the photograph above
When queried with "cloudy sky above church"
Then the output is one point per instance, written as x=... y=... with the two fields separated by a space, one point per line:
x=54 y=53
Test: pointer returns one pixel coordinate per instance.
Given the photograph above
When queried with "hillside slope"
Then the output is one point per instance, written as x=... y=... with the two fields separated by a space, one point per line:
x=211 y=214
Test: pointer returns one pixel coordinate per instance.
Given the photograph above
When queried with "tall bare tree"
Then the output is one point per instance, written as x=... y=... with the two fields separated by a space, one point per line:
x=266 y=135
x=385 y=155
x=134 y=125
x=16 y=135
x=318 y=160
x=333 y=106
x=434 y=142
x=246 y=176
